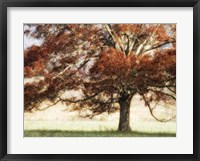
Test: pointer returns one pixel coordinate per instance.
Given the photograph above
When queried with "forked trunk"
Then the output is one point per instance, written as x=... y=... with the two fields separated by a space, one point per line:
x=124 y=120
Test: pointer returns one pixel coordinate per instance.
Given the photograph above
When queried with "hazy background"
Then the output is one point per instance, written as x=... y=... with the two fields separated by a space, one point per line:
x=60 y=117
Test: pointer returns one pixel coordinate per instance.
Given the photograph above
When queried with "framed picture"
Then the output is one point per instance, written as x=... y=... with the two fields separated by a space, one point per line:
x=109 y=80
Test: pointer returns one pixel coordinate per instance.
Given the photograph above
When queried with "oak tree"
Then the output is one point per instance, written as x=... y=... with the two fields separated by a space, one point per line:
x=107 y=64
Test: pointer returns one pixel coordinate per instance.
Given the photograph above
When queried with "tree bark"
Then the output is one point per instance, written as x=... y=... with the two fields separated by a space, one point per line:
x=124 y=120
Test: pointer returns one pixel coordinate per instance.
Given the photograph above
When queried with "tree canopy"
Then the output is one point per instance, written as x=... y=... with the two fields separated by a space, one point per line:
x=107 y=64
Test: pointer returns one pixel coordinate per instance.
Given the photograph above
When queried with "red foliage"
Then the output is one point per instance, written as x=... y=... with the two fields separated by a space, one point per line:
x=107 y=63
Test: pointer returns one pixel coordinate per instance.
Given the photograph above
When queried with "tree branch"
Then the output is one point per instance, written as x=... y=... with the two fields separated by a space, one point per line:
x=158 y=46
x=151 y=111
x=167 y=94
x=114 y=36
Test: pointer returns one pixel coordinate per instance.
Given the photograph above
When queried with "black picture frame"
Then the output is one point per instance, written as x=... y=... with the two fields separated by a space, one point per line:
x=99 y=3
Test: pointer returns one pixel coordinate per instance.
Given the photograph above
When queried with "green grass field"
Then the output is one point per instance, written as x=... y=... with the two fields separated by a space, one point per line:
x=59 y=133
x=97 y=129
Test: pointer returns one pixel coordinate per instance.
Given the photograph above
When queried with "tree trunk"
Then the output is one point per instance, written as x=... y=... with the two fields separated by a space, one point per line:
x=124 y=124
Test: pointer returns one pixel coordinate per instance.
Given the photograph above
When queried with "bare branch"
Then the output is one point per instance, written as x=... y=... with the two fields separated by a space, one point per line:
x=115 y=38
x=151 y=111
x=157 y=46
x=167 y=94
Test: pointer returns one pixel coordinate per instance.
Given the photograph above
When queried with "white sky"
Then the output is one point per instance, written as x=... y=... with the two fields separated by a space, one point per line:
x=28 y=40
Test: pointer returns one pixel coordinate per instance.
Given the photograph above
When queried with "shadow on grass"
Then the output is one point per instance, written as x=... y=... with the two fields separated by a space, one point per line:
x=60 y=133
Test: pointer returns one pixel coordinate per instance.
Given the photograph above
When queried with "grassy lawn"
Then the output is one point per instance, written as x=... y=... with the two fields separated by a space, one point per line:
x=97 y=129
x=59 y=133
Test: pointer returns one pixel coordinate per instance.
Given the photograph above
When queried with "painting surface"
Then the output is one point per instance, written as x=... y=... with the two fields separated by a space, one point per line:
x=99 y=80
